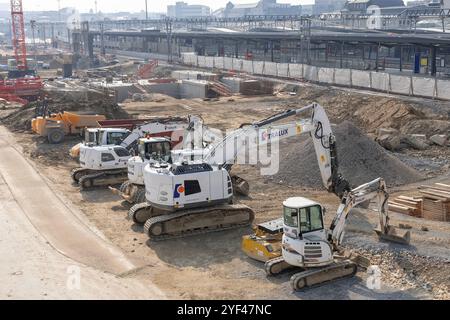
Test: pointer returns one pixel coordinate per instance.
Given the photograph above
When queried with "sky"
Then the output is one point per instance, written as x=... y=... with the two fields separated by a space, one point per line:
x=131 y=5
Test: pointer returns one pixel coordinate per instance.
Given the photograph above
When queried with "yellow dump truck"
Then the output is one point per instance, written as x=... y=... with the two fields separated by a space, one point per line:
x=57 y=126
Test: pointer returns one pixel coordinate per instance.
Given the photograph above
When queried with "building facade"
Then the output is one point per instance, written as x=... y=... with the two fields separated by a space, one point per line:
x=327 y=6
x=263 y=7
x=184 y=10
x=361 y=6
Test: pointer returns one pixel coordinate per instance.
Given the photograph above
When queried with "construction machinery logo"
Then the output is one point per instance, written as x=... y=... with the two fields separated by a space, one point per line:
x=179 y=190
x=266 y=136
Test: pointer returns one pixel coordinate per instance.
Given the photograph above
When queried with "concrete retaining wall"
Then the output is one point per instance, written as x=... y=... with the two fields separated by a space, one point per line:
x=401 y=84
x=169 y=89
x=233 y=83
x=271 y=69
x=296 y=70
x=424 y=87
x=326 y=75
x=360 y=79
x=379 y=81
x=247 y=66
x=191 y=89
x=342 y=77
x=283 y=70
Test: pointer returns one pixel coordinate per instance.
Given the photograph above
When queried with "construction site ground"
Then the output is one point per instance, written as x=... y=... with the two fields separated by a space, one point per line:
x=213 y=266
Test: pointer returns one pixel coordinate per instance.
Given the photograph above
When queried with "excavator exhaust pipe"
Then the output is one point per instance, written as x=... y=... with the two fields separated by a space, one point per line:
x=394 y=235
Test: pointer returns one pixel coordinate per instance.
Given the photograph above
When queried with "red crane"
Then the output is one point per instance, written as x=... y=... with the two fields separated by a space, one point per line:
x=18 y=34
x=25 y=88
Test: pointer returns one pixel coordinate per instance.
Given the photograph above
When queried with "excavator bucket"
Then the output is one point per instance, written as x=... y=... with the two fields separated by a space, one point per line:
x=394 y=235
x=241 y=186
x=75 y=151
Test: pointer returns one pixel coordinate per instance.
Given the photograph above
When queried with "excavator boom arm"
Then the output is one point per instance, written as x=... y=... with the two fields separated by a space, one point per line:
x=366 y=192
x=164 y=125
x=266 y=132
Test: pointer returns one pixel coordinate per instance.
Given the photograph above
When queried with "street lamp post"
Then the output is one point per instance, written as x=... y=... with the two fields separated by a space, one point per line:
x=146 y=10
x=33 y=28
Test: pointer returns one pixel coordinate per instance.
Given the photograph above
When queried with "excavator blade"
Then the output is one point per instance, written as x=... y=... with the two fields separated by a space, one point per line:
x=120 y=193
x=394 y=235
x=360 y=260
x=115 y=191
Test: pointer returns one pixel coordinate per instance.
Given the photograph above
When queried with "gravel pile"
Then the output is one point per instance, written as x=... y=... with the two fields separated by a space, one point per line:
x=360 y=160
x=409 y=271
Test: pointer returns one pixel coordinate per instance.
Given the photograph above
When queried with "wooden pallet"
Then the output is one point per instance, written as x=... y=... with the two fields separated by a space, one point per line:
x=436 y=202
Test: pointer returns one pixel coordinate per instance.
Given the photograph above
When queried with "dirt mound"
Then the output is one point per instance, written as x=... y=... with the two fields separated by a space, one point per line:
x=86 y=103
x=20 y=120
x=372 y=111
x=360 y=160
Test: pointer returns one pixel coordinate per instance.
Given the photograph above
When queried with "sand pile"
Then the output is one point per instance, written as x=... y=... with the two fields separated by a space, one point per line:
x=360 y=160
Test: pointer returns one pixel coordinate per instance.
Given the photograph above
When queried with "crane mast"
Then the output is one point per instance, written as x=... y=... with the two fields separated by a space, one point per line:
x=18 y=34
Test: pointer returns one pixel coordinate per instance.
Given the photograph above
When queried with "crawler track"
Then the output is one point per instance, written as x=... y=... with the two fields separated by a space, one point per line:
x=320 y=276
x=78 y=173
x=100 y=179
x=140 y=213
x=198 y=221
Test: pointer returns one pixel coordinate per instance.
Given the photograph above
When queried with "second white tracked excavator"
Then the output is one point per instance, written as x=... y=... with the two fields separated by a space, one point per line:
x=307 y=245
x=196 y=197
x=104 y=165
x=153 y=150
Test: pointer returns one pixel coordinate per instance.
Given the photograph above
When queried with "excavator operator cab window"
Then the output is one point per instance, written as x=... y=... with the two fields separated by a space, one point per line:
x=291 y=217
x=158 y=151
x=116 y=138
x=107 y=157
x=90 y=137
x=311 y=219
x=121 y=152
x=100 y=136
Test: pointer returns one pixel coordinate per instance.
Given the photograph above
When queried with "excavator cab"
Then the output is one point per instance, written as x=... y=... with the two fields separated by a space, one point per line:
x=112 y=136
x=305 y=237
x=91 y=136
x=303 y=219
x=157 y=149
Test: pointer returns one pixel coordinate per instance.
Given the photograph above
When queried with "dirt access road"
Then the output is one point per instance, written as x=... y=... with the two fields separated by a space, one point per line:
x=46 y=245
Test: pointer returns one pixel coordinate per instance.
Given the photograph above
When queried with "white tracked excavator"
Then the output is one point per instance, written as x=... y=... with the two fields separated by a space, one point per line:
x=196 y=197
x=104 y=165
x=100 y=137
x=109 y=132
x=306 y=244
x=154 y=150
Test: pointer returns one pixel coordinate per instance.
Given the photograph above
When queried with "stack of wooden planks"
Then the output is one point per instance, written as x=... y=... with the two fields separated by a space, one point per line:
x=411 y=206
x=436 y=202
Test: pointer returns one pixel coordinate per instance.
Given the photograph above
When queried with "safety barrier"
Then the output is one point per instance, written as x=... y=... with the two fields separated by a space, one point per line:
x=412 y=85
